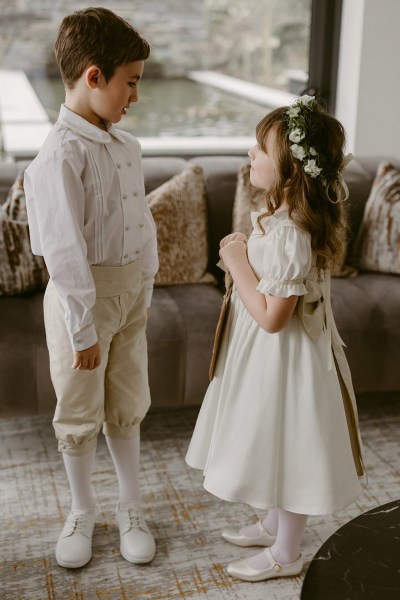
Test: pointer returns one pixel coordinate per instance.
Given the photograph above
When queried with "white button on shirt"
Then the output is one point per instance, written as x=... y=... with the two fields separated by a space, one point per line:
x=77 y=191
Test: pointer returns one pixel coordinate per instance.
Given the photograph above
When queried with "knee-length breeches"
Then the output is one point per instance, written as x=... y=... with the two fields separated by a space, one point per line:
x=116 y=394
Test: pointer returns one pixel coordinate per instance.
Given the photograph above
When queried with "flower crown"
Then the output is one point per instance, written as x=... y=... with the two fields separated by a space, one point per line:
x=314 y=164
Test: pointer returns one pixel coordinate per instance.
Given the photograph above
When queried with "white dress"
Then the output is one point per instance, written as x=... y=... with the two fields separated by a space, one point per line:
x=272 y=430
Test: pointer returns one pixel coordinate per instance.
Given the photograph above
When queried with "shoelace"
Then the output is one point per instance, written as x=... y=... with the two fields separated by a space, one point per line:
x=78 y=523
x=134 y=521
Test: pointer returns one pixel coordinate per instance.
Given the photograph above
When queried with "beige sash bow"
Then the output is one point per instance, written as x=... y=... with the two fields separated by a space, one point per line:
x=314 y=309
x=315 y=312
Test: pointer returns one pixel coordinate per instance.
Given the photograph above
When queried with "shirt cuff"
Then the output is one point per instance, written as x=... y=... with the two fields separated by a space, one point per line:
x=84 y=339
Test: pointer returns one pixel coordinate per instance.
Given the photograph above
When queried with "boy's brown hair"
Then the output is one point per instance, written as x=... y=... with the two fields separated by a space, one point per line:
x=96 y=36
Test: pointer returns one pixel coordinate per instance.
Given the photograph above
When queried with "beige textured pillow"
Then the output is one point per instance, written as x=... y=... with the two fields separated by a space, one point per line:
x=378 y=244
x=179 y=210
x=247 y=199
x=20 y=271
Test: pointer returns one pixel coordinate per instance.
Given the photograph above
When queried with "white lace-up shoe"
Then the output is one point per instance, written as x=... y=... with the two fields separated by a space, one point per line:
x=74 y=546
x=137 y=543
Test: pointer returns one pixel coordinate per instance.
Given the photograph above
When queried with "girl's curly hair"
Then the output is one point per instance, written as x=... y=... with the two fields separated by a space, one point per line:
x=310 y=206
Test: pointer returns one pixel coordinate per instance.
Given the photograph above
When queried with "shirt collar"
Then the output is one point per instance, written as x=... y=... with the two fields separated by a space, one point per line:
x=86 y=129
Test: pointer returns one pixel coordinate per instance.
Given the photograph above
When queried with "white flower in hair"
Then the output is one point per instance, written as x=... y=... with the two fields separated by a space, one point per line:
x=293 y=111
x=296 y=135
x=313 y=151
x=297 y=151
x=306 y=99
x=311 y=168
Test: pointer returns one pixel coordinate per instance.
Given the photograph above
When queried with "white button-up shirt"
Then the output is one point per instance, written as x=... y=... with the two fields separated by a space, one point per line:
x=86 y=206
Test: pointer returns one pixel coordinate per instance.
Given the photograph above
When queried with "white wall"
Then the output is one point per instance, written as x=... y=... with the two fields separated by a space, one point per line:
x=369 y=76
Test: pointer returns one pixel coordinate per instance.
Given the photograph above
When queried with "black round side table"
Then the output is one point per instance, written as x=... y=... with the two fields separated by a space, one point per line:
x=361 y=561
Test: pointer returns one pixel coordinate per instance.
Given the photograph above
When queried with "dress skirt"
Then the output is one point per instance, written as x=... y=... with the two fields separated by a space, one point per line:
x=272 y=430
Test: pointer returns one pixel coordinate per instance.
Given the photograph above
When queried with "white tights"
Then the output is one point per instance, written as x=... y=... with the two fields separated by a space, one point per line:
x=126 y=458
x=288 y=528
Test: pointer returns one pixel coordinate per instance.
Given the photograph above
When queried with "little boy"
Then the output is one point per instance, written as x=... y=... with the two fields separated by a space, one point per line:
x=89 y=218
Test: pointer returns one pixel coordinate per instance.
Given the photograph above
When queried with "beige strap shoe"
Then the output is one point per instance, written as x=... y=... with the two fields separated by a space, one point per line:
x=234 y=536
x=242 y=570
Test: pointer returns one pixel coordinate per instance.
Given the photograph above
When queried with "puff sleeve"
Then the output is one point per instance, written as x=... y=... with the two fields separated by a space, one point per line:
x=287 y=261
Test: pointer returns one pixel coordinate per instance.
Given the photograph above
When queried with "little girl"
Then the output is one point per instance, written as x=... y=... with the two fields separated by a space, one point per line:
x=278 y=428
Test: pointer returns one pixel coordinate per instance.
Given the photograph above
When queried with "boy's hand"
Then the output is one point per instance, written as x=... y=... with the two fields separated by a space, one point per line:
x=88 y=359
x=233 y=237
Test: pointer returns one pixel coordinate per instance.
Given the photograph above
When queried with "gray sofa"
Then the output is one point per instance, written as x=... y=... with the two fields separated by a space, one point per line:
x=181 y=329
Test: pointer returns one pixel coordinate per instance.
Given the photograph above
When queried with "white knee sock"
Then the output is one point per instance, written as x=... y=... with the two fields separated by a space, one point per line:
x=286 y=548
x=126 y=459
x=79 y=472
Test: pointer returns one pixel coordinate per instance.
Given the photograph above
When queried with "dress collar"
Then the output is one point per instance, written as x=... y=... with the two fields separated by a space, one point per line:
x=86 y=129
x=281 y=215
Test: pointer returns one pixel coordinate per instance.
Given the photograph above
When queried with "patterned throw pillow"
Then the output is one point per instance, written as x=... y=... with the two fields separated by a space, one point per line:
x=20 y=271
x=249 y=198
x=378 y=244
x=179 y=210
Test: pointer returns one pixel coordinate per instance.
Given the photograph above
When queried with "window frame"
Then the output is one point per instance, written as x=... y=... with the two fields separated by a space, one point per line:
x=324 y=50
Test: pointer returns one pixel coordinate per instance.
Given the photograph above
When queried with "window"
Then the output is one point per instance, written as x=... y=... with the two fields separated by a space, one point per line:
x=265 y=42
x=216 y=66
x=324 y=49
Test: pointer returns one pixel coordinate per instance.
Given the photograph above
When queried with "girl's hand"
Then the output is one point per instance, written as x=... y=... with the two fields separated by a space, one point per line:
x=233 y=237
x=233 y=252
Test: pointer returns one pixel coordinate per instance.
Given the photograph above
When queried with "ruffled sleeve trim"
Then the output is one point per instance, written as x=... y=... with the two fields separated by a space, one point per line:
x=282 y=288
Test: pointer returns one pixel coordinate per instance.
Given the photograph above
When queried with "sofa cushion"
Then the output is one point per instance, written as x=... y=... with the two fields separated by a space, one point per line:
x=157 y=171
x=20 y=271
x=179 y=210
x=366 y=311
x=247 y=199
x=220 y=176
x=180 y=336
x=25 y=382
x=359 y=176
x=378 y=244
x=8 y=173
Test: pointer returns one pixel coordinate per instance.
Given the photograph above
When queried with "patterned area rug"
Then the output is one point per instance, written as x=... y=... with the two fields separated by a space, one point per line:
x=186 y=520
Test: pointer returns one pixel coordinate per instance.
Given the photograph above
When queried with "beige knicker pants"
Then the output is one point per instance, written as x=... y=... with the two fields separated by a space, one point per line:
x=116 y=394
